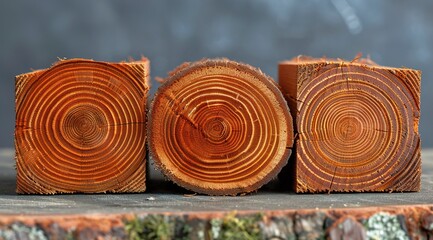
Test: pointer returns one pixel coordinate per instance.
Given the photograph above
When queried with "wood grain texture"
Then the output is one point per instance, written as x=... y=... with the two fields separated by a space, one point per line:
x=219 y=127
x=357 y=125
x=80 y=127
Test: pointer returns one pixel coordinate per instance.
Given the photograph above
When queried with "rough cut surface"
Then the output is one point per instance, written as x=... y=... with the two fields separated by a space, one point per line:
x=388 y=223
x=219 y=127
x=356 y=125
x=80 y=127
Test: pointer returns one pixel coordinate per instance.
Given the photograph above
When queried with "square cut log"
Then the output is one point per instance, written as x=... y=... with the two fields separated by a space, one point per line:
x=81 y=127
x=356 y=125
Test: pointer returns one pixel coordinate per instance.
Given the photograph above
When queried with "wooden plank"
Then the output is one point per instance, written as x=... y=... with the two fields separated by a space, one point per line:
x=219 y=127
x=80 y=127
x=357 y=125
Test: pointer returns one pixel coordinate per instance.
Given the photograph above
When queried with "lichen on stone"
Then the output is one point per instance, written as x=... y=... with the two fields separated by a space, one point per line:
x=20 y=231
x=384 y=226
x=278 y=228
x=151 y=227
x=427 y=221
x=215 y=228
x=310 y=226
x=346 y=227
x=182 y=230
x=69 y=235
x=198 y=229
x=232 y=227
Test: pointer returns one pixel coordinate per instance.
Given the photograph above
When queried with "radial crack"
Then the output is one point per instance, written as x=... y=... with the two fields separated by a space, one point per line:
x=332 y=180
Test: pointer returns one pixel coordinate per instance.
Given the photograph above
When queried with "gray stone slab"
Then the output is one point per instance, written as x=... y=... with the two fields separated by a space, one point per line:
x=169 y=198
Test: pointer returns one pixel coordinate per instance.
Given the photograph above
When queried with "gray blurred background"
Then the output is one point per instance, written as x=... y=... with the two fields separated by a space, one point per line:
x=259 y=32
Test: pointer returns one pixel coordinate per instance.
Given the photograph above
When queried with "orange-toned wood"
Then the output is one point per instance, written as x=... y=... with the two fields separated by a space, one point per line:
x=80 y=127
x=219 y=127
x=357 y=125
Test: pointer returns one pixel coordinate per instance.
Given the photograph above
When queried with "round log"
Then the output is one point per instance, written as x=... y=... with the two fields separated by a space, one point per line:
x=219 y=127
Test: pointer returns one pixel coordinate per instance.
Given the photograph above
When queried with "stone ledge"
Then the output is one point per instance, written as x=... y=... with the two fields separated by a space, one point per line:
x=392 y=222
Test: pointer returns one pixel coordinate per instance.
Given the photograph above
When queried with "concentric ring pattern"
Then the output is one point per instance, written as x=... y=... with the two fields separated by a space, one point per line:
x=81 y=128
x=220 y=127
x=358 y=129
